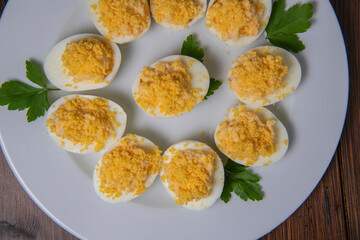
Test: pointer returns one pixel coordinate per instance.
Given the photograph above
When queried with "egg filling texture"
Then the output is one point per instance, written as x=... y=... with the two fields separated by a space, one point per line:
x=256 y=75
x=235 y=18
x=245 y=136
x=123 y=17
x=189 y=174
x=177 y=12
x=84 y=121
x=166 y=88
x=127 y=167
x=89 y=60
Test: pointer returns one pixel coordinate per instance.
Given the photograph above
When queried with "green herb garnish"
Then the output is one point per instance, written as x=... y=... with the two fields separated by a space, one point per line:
x=284 y=25
x=214 y=85
x=191 y=48
x=242 y=182
x=19 y=96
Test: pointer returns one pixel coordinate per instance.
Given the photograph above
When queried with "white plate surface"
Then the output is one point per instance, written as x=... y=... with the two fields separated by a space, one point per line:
x=60 y=182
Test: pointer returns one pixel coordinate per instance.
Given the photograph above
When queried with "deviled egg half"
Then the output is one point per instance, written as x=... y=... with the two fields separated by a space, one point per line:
x=238 y=22
x=177 y=14
x=122 y=20
x=127 y=170
x=171 y=86
x=252 y=136
x=264 y=75
x=82 y=62
x=193 y=174
x=85 y=124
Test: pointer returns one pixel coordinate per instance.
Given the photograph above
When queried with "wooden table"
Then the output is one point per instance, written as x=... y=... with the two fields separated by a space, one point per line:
x=331 y=211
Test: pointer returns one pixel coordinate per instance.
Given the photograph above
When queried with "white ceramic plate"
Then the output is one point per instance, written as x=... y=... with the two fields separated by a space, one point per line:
x=60 y=182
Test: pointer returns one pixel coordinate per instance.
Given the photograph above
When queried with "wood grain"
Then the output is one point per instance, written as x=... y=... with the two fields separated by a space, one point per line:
x=331 y=211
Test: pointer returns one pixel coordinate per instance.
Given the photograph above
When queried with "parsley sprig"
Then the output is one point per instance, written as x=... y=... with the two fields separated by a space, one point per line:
x=284 y=25
x=191 y=48
x=242 y=182
x=214 y=85
x=19 y=96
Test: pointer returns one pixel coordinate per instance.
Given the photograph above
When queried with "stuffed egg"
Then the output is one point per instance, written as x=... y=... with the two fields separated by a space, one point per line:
x=177 y=14
x=193 y=174
x=85 y=124
x=238 y=22
x=127 y=170
x=122 y=20
x=252 y=136
x=171 y=86
x=264 y=75
x=82 y=62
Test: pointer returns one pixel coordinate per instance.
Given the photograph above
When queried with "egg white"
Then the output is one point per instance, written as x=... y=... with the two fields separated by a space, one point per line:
x=247 y=39
x=199 y=79
x=218 y=177
x=105 y=32
x=67 y=145
x=281 y=136
x=125 y=197
x=53 y=66
x=291 y=79
x=182 y=27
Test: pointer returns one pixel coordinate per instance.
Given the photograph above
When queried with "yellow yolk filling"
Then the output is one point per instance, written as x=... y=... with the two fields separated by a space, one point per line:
x=126 y=168
x=233 y=19
x=123 y=17
x=190 y=174
x=256 y=75
x=246 y=137
x=89 y=60
x=177 y=12
x=166 y=88
x=84 y=121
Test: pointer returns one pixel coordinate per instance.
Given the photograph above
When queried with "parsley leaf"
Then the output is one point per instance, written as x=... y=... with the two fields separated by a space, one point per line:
x=284 y=25
x=191 y=48
x=242 y=182
x=34 y=74
x=19 y=96
x=16 y=94
x=228 y=188
x=214 y=85
x=289 y=42
x=39 y=105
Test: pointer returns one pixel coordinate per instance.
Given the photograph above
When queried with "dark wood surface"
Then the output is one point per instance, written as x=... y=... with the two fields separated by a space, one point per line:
x=331 y=211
